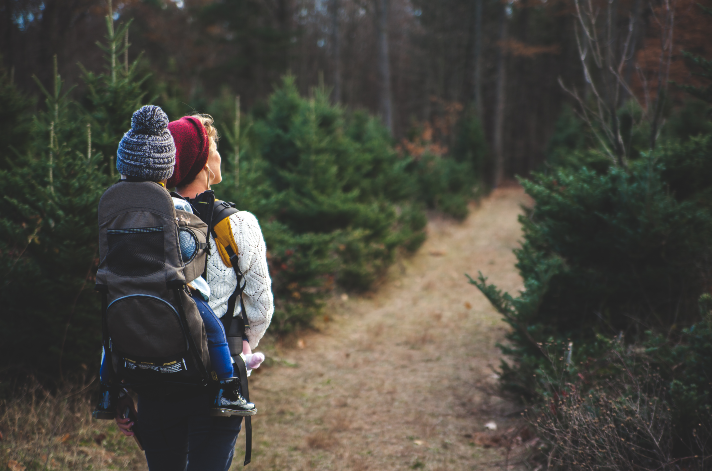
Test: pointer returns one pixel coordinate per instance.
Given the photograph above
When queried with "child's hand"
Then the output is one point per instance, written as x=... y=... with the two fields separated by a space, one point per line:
x=254 y=360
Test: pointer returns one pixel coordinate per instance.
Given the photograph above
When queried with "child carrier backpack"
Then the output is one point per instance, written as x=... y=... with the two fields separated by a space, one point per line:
x=151 y=327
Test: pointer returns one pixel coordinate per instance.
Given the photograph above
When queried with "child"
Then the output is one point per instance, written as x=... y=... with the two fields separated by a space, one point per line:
x=149 y=154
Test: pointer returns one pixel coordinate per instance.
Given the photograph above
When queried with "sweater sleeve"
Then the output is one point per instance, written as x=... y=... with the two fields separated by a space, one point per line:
x=252 y=257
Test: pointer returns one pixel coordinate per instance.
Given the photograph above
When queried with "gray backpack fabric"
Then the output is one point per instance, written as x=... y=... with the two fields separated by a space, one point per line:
x=151 y=326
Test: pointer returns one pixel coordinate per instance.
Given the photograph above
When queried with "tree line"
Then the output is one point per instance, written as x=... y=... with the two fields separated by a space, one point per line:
x=420 y=65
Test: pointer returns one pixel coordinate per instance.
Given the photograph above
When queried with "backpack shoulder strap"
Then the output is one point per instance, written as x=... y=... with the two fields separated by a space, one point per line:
x=222 y=210
x=227 y=248
x=222 y=232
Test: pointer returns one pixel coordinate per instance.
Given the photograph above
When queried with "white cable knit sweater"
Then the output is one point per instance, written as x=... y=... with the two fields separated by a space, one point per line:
x=252 y=255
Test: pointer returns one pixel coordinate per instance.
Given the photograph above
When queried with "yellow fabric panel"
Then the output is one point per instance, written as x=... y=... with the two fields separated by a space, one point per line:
x=224 y=232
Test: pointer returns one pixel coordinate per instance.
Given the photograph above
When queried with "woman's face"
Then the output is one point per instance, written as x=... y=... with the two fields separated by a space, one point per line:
x=213 y=163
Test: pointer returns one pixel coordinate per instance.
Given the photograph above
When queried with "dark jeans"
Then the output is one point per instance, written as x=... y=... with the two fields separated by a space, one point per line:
x=180 y=435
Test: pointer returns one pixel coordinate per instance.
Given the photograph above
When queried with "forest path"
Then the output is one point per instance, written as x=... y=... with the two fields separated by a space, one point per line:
x=397 y=380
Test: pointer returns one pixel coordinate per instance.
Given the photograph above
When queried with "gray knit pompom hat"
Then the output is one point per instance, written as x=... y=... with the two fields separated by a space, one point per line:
x=147 y=150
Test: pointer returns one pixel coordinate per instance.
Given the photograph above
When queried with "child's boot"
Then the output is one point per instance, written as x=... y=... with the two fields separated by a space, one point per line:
x=229 y=400
x=106 y=409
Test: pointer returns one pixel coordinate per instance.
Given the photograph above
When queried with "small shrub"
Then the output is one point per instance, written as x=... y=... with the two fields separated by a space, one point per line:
x=613 y=254
x=623 y=423
x=645 y=407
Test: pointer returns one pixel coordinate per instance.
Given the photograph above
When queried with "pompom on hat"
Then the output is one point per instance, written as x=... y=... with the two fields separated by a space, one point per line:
x=192 y=147
x=147 y=149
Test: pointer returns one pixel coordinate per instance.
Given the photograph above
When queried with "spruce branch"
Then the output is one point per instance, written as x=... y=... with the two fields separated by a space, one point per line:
x=502 y=302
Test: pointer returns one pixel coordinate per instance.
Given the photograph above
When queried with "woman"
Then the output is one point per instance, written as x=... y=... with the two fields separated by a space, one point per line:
x=179 y=433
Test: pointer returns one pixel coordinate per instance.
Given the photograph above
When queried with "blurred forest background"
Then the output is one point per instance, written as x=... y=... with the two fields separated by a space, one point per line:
x=419 y=64
x=343 y=123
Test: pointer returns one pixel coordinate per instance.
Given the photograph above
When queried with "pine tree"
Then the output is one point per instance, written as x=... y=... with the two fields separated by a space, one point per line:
x=48 y=229
x=15 y=119
x=335 y=201
x=113 y=96
x=49 y=245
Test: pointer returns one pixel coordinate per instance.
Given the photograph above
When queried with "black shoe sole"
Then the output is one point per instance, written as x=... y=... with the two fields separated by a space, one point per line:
x=103 y=415
x=223 y=412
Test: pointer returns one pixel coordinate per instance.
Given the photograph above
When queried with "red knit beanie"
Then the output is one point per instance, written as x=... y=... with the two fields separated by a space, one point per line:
x=192 y=146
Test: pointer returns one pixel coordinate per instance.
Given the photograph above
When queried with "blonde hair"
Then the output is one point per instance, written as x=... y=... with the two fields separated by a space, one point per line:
x=207 y=121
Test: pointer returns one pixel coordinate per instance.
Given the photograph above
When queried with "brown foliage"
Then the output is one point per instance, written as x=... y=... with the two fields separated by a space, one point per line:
x=691 y=34
x=521 y=49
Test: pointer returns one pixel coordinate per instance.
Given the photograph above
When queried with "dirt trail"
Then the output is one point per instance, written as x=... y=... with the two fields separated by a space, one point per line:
x=394 y=381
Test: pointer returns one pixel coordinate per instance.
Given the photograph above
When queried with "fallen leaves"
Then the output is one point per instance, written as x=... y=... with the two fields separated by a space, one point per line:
x=486 y=440
x=513 y=437
x=15 y=466
x=52 y=462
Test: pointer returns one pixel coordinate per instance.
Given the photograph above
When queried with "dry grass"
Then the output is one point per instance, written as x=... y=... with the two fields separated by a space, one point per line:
x=321 y=440
x=55 y=431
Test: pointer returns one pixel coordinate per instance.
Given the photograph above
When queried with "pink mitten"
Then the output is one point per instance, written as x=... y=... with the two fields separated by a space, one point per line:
x=254 y=360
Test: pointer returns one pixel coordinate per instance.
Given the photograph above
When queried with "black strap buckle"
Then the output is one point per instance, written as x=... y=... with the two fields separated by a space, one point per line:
x=175 y=284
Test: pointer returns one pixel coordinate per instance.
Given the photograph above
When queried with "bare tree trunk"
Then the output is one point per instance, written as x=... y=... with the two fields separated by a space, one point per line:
x=336 y=50
x=384 y=68
x=630 y=60
x=8 y=34
x=48 y=44
x=283 y=17
x=429 y=79
x=501 y=100
x=477 y=60
x=613 y=87
x=520 y=150
x=666 y=49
